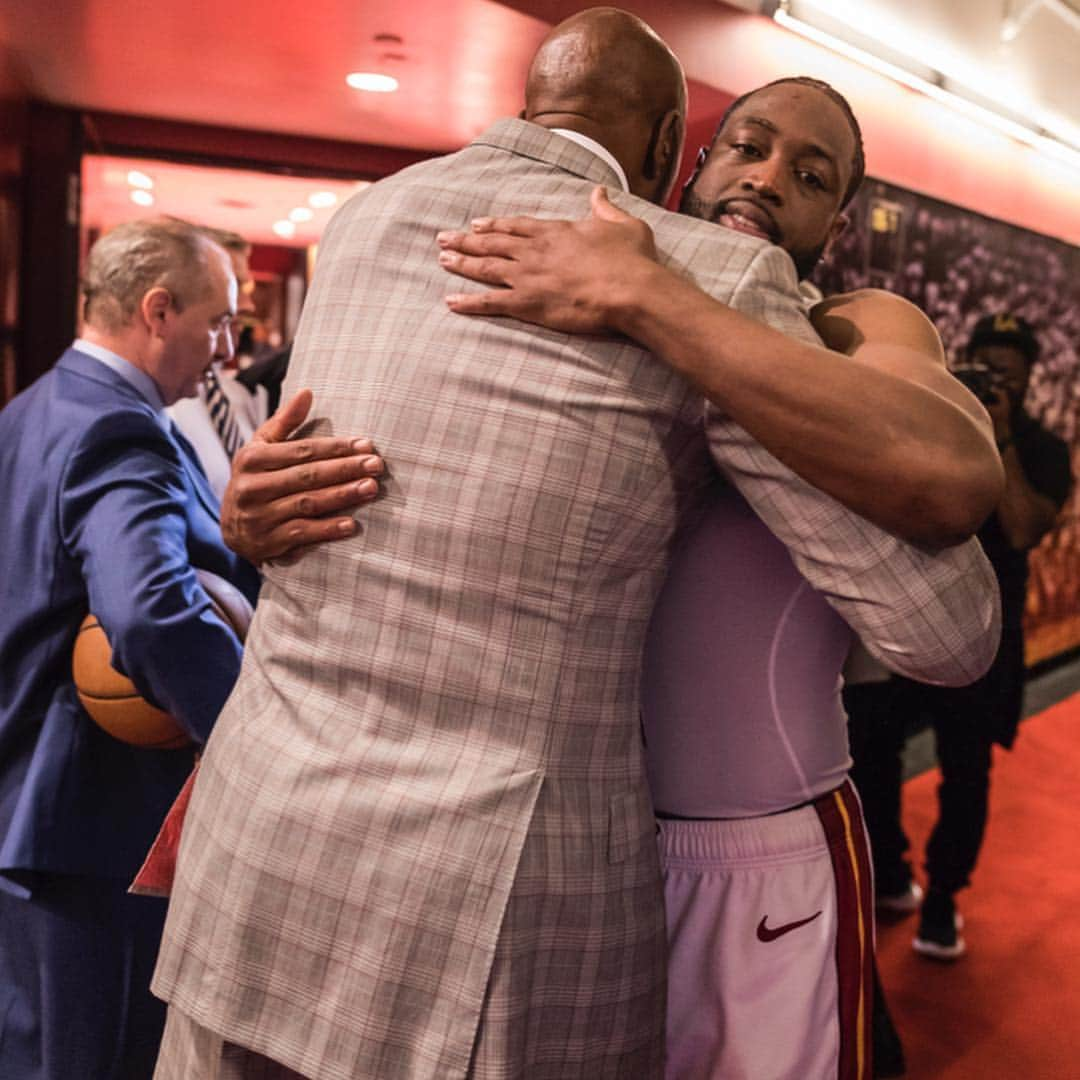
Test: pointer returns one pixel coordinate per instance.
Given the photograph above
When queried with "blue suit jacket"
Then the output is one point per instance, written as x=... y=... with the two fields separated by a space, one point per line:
x=103 y=511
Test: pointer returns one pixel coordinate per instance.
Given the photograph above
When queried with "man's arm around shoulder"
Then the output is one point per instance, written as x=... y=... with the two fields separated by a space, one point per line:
x=931 y=615
x=892 y=447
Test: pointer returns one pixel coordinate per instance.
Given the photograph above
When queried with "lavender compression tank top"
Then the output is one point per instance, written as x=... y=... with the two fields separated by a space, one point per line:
x=741 y=693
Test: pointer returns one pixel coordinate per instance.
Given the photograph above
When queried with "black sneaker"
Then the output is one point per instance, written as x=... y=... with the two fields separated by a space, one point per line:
x=939 y=928
x=902 y=902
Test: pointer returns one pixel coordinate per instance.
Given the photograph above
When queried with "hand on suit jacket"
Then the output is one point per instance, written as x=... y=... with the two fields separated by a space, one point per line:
x=932 y=482
x=553 y=273
x=286 y=495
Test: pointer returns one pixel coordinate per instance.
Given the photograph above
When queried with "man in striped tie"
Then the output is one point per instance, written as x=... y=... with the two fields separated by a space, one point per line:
x=107 y=512
x=221 y=413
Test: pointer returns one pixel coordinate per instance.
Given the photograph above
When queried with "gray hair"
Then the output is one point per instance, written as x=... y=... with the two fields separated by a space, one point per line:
x=232 y=242
x=133 y=258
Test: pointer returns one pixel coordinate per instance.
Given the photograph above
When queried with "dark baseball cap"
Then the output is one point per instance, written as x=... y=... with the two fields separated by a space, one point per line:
x=1006 y=329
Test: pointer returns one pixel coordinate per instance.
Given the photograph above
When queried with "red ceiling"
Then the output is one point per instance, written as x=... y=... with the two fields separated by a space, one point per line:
x=279 y=65
x=275 y=65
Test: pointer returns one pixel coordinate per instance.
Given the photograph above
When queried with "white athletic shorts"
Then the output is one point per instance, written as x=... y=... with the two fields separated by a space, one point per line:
x=770 y=936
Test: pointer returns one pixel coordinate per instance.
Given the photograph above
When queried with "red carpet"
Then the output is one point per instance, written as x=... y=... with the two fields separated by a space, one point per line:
x=1010 y=1009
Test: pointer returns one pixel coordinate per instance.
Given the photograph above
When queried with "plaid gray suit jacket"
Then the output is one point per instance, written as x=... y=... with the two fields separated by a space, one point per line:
x=421 y=843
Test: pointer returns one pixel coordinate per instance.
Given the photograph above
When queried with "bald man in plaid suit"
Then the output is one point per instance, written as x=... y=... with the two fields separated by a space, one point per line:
x=421 y=844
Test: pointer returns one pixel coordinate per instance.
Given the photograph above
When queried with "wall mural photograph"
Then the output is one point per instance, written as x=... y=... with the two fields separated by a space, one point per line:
x=958 y=266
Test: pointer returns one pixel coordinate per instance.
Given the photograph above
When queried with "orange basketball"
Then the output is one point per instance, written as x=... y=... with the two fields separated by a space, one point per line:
x=111 y=698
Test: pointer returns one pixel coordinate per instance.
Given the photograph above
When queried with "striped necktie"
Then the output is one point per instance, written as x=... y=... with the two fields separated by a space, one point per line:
x=221 y=414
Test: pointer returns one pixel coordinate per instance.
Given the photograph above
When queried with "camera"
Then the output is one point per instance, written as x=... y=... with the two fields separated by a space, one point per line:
x=981 y=380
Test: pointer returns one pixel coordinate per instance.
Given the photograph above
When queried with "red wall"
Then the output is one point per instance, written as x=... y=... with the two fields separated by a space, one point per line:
x=13 y=114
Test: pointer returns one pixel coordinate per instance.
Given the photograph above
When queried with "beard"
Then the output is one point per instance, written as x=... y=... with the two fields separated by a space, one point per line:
x=694 y=206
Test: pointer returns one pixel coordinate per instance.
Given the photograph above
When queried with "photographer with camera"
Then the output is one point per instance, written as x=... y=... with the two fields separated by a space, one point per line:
x=996 y=366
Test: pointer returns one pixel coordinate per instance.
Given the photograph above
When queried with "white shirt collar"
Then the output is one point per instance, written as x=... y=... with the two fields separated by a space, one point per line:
x=809 y=294
x=602 y=152
x=135 y=377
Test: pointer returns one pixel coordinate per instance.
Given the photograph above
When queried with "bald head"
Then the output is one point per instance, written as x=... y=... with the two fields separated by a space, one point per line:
x=603 y=63
x=605 y=73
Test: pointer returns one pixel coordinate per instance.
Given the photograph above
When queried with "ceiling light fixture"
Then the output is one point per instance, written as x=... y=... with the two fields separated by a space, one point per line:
x=284 y=228
x=139 y=179
x=897 y=63
x=368 y=80
x=301 y=214
x=141 y=197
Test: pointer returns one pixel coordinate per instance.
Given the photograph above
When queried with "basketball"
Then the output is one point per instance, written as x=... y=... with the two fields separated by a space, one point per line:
x=111 y=699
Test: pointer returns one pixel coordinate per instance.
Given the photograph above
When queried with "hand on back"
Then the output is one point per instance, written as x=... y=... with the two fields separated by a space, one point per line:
x=286 y=495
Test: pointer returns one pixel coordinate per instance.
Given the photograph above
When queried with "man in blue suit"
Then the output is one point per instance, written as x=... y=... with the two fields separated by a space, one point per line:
x=105 y=510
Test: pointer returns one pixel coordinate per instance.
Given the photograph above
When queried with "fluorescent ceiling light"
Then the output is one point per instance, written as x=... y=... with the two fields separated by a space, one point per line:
x=141 y=197
x=367 y=80
x=322 y=199
x=837 y=34
x=300 y=214
x=853 y=52
x=284 y=228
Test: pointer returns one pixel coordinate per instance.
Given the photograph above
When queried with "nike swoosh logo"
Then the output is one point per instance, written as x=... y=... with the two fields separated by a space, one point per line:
x=767 y=933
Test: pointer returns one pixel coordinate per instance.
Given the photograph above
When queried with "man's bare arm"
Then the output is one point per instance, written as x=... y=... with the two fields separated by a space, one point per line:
x=932 y=616
x=286 y=495
x=886 y=431
x=892 y=335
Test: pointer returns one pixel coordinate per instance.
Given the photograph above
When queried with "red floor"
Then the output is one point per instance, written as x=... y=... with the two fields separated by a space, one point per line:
x=1010 y=1009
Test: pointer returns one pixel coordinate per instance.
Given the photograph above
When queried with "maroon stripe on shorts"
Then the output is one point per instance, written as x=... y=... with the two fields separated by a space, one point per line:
x=841 y=818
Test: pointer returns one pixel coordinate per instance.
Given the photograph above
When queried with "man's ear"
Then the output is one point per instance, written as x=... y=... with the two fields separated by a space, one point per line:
x=664 y=152
x=836 y=230
x=155 y=307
